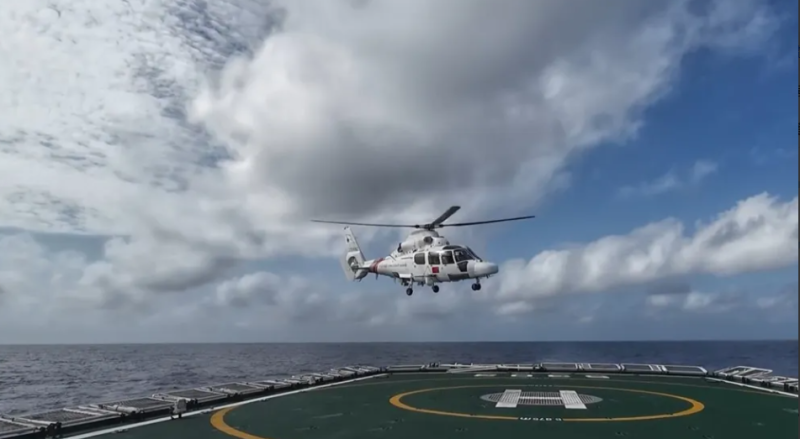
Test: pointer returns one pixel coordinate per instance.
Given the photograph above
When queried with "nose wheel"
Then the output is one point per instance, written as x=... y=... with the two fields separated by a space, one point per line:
x=435 y=288
x=476 y=286
x=409 y=291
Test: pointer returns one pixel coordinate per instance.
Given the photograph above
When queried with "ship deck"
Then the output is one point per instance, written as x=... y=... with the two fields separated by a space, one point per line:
x=478 y=402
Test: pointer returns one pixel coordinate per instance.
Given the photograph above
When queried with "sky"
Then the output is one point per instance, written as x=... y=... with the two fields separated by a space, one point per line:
x=161 y=160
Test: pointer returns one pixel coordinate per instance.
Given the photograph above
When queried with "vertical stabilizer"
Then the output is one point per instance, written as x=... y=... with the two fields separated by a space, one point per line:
x=353 y=259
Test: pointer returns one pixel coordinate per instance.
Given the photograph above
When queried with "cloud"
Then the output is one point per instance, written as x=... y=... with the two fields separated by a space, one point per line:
x=295 y=299
x=695 y=301
x=203 y=137
x=670 y=287
x=786 y=300
x=46 y=293
x=759 y=233
x=764 y=156
x=672 y=181
x=772 y=304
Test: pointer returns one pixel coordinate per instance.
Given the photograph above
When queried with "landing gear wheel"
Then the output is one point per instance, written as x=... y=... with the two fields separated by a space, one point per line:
x=476 y=287
x=409 y=291
x=435 y=288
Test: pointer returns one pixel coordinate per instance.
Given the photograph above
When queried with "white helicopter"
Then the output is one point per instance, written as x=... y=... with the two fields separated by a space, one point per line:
x=425 y=257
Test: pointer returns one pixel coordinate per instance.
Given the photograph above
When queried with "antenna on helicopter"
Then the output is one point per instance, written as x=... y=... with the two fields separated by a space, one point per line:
x=438 y=223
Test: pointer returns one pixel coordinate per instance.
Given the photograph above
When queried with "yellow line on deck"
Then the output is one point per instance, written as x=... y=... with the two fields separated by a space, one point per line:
x=696 y=406
x=218 y=421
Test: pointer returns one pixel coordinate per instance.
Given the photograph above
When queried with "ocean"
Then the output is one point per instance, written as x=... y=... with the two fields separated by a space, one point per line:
x=40 y=377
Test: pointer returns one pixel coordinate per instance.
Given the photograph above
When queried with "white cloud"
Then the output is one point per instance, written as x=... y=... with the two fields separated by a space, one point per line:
x=289 y=299
x=672 y=181
x=759 y=233
x=197 y=143
x=692 y=302
x=701 y=170
x=769 y=304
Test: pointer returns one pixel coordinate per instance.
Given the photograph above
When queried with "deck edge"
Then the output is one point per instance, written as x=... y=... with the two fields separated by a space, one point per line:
x=221 y=407
x=92 y=420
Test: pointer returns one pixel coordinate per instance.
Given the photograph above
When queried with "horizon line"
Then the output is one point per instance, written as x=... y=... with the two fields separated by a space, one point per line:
x=699 y=340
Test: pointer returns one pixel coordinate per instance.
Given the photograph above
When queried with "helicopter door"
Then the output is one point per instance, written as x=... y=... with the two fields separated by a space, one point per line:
x=434 y=263
x=449 y=267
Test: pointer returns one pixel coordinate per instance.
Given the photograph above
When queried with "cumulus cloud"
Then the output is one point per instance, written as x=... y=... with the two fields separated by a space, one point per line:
x=759 y=233
x=192 y=136
x=43 y=288
x=772 y=304
x=295 y=299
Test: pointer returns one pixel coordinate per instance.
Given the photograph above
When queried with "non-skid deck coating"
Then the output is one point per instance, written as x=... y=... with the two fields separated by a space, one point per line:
x=436 y=406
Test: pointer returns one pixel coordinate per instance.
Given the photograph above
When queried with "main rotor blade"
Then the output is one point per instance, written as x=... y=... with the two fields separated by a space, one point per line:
x=443 y=217
x=475 y=223
x=413 y=226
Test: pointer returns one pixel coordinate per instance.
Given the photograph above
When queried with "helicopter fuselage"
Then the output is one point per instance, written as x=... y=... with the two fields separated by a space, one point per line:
x=425 y=264
x=423 y=258
x=433 y=264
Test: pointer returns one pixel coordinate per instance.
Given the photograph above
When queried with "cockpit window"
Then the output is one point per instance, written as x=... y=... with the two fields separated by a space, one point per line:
x=462 y=255
x=473 y=254
x=447 y=257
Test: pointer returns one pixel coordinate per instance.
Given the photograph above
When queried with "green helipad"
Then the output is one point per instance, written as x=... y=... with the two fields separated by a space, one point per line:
x=508 y=405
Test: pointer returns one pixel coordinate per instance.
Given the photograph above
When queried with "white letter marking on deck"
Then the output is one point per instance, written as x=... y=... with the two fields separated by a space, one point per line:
x=571 y=399
x=509 y=399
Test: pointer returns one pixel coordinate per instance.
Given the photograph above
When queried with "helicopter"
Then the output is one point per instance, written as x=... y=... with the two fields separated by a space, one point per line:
x=424 y=258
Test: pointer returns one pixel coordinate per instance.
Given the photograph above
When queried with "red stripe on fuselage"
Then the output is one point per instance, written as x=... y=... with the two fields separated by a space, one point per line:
x=373 y=268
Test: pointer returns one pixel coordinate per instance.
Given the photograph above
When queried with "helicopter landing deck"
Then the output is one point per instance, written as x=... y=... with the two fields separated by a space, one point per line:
x=431 y=405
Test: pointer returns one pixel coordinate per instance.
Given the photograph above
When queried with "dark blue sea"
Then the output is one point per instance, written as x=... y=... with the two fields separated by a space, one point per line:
x=39 y=378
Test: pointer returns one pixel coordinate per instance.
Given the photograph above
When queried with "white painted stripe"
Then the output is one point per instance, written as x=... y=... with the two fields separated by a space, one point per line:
x=509 y=399
x=210 y=409
x=572 y=400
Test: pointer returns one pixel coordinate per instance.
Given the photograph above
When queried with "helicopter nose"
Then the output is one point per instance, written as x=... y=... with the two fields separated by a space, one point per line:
x=485 y=269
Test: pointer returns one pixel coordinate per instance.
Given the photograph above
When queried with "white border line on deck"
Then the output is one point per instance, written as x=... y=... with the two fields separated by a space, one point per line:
x=763 y=389
x=122 y=428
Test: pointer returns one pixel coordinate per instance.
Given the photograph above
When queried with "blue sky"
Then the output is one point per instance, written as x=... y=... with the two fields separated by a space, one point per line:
x=655 y=144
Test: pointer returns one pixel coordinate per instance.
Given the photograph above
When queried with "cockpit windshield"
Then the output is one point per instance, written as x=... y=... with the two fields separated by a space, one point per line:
x=473 y=254
x=462 y=254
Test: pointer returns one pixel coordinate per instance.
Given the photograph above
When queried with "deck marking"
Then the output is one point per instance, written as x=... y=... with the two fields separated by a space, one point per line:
x=509 y=399
x=218 y=418
x=218 y=421
x=696 y=406
x=572 y=400
x=348 y=384
x=756 y=390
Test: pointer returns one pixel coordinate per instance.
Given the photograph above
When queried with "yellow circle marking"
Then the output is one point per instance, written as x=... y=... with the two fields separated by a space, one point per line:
x=218 y=421
x=696 y=406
